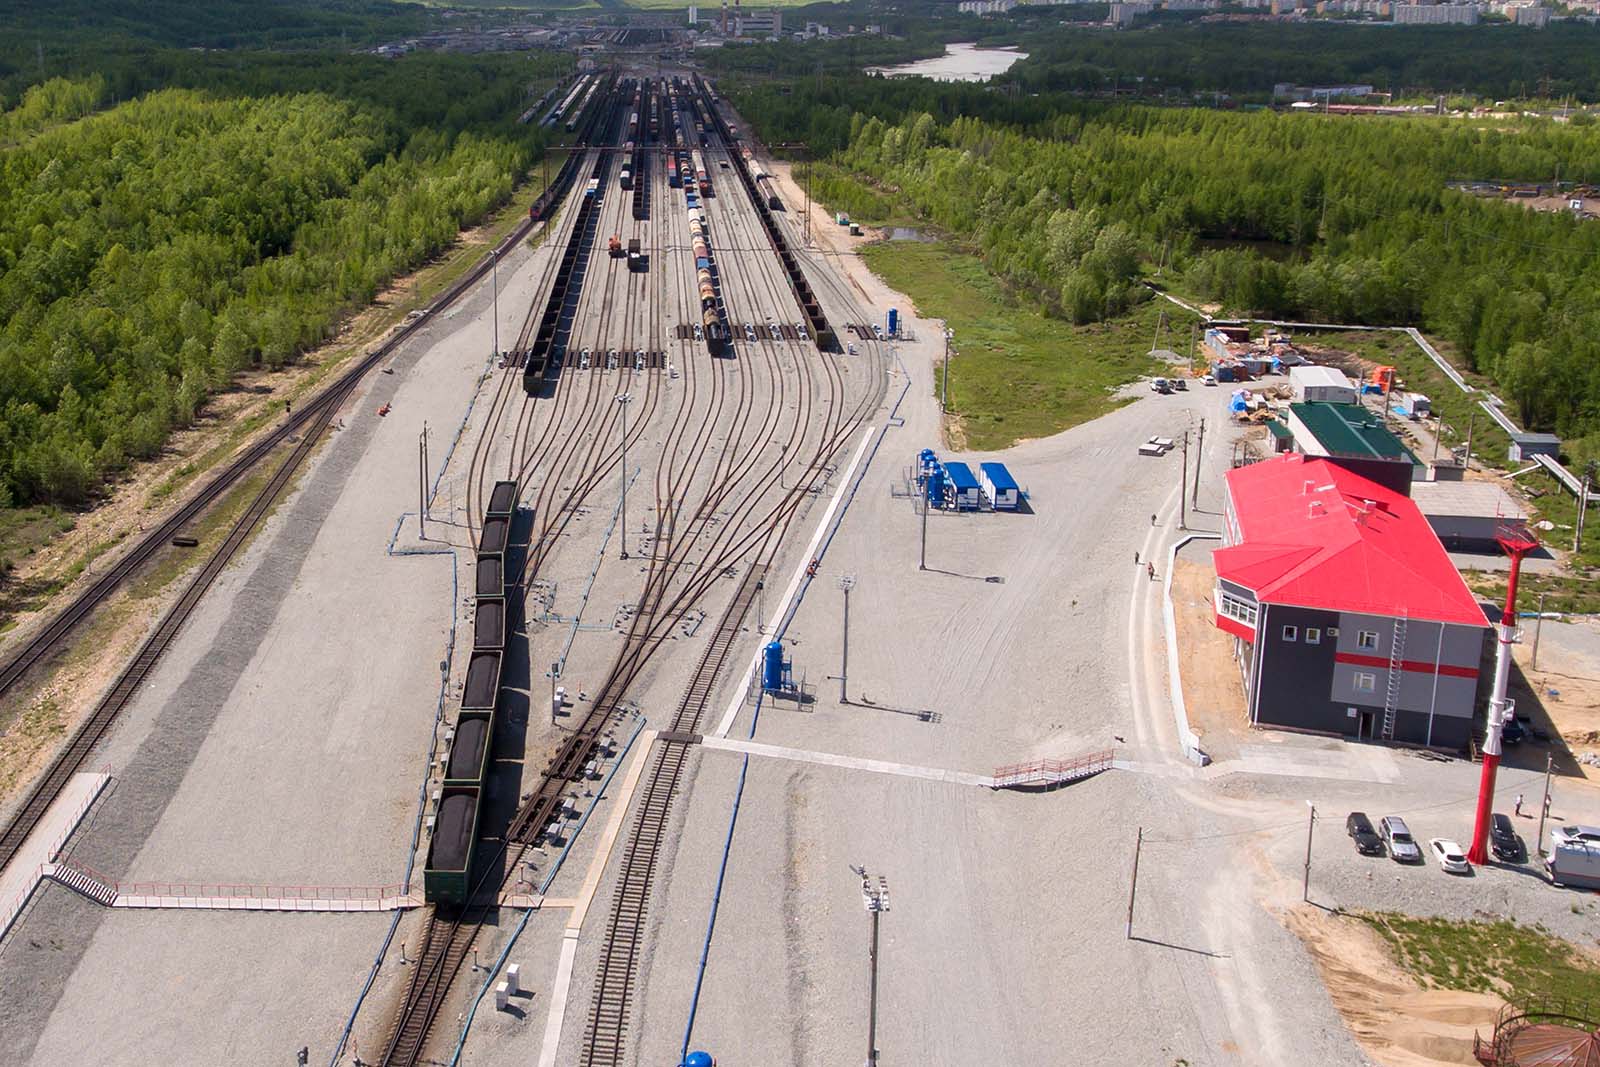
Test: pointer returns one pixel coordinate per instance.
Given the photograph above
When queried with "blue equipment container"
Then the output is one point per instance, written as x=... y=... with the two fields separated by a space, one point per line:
x=999 y=487
x=774 y=672
x=699 y=1059
x=935 y=486
x=963 y=492
x=894 y=322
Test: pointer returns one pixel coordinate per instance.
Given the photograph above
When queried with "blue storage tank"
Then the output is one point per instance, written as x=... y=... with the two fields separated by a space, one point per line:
x=963 y=492
x=699 y=1059
x=894 y=322
x=772 y=668
x=935 y=486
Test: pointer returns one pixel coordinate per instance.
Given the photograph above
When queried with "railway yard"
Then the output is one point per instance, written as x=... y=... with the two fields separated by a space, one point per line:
x=478 y=687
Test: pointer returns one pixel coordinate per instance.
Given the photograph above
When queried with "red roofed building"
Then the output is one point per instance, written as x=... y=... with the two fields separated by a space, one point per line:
x=1348 y=616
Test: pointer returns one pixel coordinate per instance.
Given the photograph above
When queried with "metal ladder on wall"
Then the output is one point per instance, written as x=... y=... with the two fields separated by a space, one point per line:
x=1391 y=694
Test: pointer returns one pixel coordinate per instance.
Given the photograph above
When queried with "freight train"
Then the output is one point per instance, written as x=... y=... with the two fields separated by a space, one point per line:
x=447 y=873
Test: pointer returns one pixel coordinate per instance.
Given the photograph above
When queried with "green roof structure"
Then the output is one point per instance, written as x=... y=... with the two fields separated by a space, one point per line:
x=1350 y=430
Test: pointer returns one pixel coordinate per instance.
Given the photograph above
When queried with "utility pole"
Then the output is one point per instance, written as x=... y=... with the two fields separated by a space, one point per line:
x=876 y=900
x=1183 y=483
x=1538 y=625
x=1549 y=765
x=1193 y=326
x=555 y=672
x=422 y=484
x=624 y=400
x=1133 y=890
x=846 y=583
x=1583 y=505
x=1305 y=888
x=1472 y=417
x=1199 y=458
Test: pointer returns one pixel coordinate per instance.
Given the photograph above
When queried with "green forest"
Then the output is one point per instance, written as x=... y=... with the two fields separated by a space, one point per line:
x=1283 y=215
x=151 y=249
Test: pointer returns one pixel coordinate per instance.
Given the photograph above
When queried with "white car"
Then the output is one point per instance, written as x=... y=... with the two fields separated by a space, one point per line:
x=1449 y=856
x=1208 y=379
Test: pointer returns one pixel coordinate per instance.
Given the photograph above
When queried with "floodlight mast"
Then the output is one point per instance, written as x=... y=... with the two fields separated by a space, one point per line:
x=1516 y=540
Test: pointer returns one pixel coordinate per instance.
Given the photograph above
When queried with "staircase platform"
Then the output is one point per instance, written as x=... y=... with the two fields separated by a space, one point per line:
x=21 y=876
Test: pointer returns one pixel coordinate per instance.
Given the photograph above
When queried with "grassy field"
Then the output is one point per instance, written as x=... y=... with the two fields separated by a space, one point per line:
x=1500 y=958
x=1017 y=374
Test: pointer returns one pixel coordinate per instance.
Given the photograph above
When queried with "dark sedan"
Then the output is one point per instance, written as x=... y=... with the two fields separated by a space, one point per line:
x=1503 y=839
x=1359 y=827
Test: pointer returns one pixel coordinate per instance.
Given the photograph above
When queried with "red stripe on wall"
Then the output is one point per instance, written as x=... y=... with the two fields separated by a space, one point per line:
x=1420 y=666
x=1236 y=628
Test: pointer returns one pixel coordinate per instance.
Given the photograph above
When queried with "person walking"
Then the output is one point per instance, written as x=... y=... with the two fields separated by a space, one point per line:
x=1152 y=520
x=1150 y=569
x=1519 y=804
x=1547 y=805
x=1136 y=559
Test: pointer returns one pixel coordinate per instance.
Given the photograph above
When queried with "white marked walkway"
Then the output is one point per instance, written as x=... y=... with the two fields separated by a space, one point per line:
x=853 y=763
x=21 y=876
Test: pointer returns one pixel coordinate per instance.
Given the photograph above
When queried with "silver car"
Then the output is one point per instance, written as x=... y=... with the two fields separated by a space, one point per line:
x=1397 y=836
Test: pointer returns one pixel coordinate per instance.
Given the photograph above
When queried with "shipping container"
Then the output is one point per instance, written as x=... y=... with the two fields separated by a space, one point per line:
x=962 y=493
x=999 y=487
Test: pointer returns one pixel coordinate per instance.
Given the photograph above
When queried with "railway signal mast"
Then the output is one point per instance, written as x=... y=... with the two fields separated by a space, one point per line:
x=1516 y=540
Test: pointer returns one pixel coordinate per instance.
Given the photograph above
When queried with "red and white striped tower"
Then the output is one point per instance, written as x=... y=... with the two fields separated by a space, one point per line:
x=1516 y=541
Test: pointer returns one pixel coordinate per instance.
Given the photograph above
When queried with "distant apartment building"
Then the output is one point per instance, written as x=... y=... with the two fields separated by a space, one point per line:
x=694 y=15
x=816 y=29
x=1535 y=15
x=1435 y=15
x=1123 y=14
x=985 y=7
x=758 y=24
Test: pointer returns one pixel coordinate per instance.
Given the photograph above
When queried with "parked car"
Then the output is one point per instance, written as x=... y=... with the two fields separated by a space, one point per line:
x=1159 y=385
x=1576 y=834
x=1513 y=732
x=1397 y=836
x=1503 y=839
x=1449 y=855
x=1208 y=379
x=1179 y=384
x=1359 y=827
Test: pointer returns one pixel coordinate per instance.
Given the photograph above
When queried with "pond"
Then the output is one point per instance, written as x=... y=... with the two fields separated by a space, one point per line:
x=960 y=63
x=906 y=233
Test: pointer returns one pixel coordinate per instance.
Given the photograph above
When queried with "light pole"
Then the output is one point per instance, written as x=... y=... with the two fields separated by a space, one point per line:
x=846 y=583
x=944 y=391
x=922 y=561
x=624 y=400
x=876 y=900
x=494 y=272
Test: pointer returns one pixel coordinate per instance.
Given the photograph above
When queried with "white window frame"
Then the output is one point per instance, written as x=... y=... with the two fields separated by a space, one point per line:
x=1313 y=635
x=1367 y=640
x=1365 y=682
x=1237 y=608
x=1291 y=633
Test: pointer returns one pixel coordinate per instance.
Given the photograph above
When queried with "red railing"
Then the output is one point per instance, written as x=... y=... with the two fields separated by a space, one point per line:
x=1044 y=771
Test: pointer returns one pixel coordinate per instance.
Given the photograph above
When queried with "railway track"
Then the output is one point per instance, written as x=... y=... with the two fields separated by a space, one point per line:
x=604 y=1042
x=737 y=524
x=89 y=732
x=445 y=944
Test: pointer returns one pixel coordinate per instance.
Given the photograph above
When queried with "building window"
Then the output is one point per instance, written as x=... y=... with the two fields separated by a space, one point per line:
x=1290 y=633
x=1366 y=683
x=1237 y=609
x=1368 y=640
x=1313 y=636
